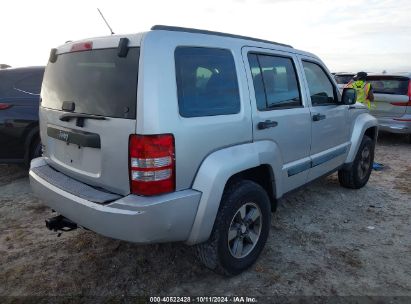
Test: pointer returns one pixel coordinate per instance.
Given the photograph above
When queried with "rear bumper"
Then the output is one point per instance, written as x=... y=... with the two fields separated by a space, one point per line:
x=163 y=218
x=395 y=126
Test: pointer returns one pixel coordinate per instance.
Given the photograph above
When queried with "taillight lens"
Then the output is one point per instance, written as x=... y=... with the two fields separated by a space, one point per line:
x=401 y=104
x=82 y=46
x=152 y=164
x=4 y=106
x=402 y=119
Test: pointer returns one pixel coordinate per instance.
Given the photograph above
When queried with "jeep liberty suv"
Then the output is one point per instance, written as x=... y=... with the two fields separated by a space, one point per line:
x=187 y=135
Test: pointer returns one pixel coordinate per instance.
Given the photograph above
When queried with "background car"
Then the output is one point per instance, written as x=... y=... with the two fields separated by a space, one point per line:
x=342 y=79
x=19 y=121
x=392 y=96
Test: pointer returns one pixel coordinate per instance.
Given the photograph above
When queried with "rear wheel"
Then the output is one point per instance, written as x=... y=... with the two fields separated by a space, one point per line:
x=240 y=230
x=359 y=173
x=35 y=149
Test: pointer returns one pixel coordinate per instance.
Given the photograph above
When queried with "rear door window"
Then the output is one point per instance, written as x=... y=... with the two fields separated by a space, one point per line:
x=389 y=85
x=207 y=82
x=99 y=82
x=275 y=82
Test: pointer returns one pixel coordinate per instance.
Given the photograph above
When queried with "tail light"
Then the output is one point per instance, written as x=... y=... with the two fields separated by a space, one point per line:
x=82 y=46
x=152 y=164
x=402 y=119
x=404 y=104
x=4 y=106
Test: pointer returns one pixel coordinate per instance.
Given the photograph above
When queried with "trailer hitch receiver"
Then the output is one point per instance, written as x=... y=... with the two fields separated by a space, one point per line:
x=60 y=223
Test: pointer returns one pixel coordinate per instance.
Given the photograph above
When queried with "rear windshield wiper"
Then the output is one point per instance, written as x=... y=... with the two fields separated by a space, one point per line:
x=80 y=118
x=69 y=116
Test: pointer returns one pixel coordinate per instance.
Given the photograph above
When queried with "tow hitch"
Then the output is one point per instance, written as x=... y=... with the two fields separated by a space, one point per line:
x=60 y=223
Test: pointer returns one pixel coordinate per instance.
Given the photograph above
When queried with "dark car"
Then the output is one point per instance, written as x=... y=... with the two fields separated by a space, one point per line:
x=19 y=121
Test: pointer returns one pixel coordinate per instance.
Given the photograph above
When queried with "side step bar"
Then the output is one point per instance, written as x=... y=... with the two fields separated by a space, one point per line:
x=60 y=223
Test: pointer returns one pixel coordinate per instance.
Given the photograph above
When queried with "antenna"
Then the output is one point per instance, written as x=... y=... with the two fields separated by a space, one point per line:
x=108 y=25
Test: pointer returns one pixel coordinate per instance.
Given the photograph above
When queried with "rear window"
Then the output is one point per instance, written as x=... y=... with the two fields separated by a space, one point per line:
x=98 y=82
x=31 y=84
x=343 y=79
x=207 y=82
x=389 y=85
x=20 y=83
x=7 y=80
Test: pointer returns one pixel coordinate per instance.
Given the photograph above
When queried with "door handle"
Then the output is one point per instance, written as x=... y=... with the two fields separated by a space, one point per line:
x=266 y=124
x=318 y=116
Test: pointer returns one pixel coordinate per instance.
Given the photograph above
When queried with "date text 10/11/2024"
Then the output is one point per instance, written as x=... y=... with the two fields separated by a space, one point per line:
x=223 y=299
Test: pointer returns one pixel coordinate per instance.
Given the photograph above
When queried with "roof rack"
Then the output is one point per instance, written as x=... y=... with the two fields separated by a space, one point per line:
x=197 y=31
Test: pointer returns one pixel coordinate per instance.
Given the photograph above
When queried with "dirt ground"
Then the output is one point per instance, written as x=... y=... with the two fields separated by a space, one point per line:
x=324 y=240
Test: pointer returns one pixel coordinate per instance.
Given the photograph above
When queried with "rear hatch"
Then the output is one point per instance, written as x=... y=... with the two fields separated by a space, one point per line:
x=390 y=95
x=88 y=110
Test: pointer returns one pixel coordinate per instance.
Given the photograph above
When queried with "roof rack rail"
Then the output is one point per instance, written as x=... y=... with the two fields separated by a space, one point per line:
x=192 y=30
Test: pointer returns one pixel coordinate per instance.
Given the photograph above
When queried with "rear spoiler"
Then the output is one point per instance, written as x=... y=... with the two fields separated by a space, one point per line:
x=122 y=49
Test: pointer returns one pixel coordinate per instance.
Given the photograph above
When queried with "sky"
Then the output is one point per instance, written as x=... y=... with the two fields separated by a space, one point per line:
x=347 y=35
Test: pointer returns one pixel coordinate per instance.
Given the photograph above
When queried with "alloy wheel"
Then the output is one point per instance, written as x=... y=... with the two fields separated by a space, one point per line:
x=245 y=230
x=365 y=163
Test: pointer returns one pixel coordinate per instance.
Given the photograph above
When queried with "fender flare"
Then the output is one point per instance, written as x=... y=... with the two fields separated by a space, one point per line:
x=362 y=123
x=216 y=170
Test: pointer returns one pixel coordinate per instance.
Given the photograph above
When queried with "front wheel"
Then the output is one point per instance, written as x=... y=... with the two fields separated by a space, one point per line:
x=240 y=230
x=359 y=173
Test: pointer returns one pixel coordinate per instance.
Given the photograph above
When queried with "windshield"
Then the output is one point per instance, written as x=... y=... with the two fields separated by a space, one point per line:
x=98 y=82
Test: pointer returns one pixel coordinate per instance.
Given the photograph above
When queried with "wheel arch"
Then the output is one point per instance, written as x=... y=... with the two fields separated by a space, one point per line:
x=262 y=175
x=365 y=124
x=219 y=169
x=372 y=133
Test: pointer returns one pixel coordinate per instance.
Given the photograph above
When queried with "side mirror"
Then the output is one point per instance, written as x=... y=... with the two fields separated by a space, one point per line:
x=349 y=96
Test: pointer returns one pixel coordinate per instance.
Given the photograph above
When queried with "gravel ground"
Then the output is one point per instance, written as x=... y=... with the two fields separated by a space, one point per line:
x=324 y=240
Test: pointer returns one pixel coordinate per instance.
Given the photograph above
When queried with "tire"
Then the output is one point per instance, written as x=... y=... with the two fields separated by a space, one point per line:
x=225 y=256
x=357 y=176
x=35 y=150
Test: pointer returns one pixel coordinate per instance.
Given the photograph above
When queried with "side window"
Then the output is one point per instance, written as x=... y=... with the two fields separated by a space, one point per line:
x=275 y=82
x=321 y=89
x=30 y=84
x=258 y=82
x=207 y=82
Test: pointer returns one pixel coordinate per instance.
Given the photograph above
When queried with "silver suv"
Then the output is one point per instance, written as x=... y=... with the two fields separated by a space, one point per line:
x=187 y=135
